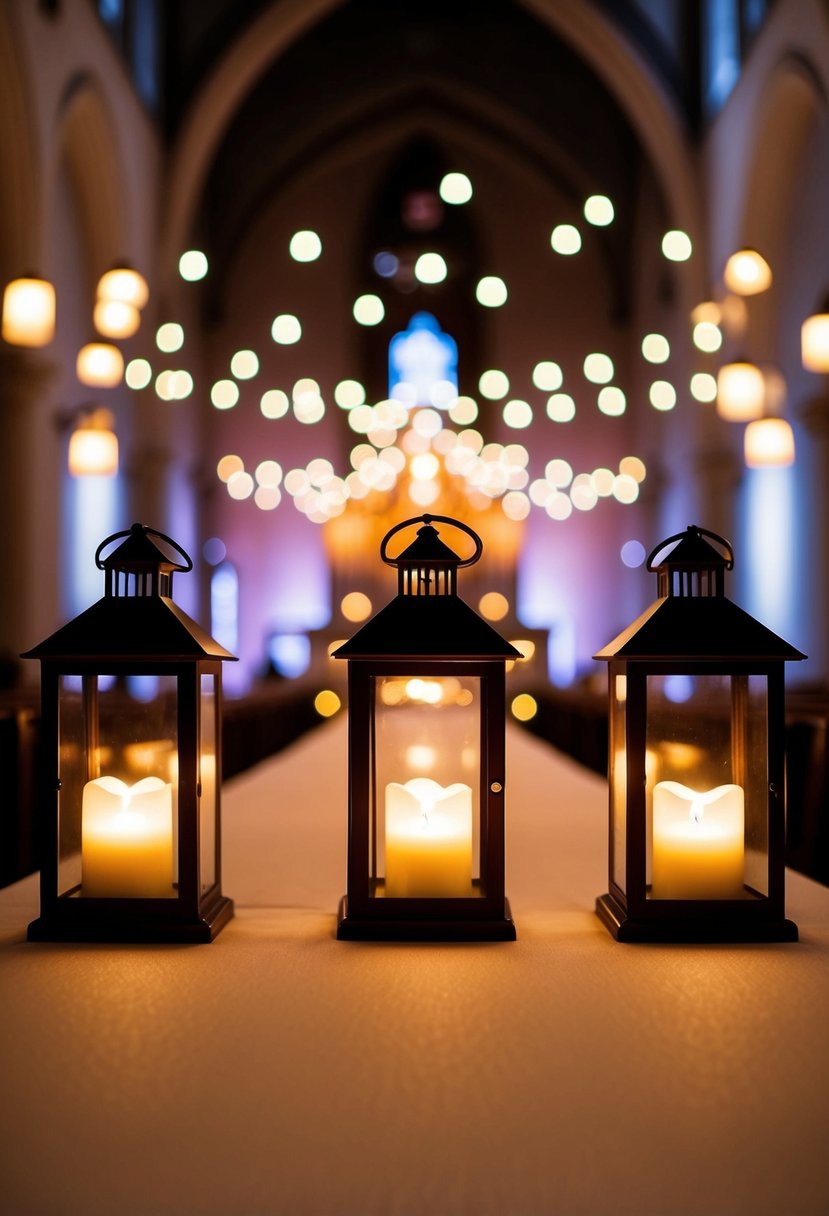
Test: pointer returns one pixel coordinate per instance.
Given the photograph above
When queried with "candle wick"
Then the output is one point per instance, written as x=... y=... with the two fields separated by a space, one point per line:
x=697 y=810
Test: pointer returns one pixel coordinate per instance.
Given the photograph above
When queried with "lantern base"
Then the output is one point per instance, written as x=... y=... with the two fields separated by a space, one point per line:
x=392 y=929
x=133 y=929
x=717 y=929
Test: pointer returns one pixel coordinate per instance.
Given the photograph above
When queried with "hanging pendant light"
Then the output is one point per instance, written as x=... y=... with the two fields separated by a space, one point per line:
x=814 y=340
x=115 y=318
x=769 y=442
x=93 y=445
x=741 y=391
x=124 y=284
x=747 y=273
x=100 y=364
x=29 y=312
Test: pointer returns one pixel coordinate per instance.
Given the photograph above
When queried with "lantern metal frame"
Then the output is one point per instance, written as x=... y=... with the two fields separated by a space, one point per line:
x=135 y=630
x=427 y=631
x=693 y=630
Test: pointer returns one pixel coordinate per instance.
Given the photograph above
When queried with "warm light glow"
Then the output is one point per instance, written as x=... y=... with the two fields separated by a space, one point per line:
x=286 y=329
x=611 y=401
x=603 y=481
x=424 y=466
x=598 y=210
x=769 y=442
x=224 y=394
x=428 y=423
x=274 y=403
x=173 y=385
x=124 y=285
x=29 y=312
x=93 y=447
x=524 y=707
x=138 y=373
x=305 y=246
x=192 y=265
x=115 y=318
x=527 y=648
x=240 y=485
x=625 y=488
x=267 y=498
x=493 y=384
x=349 y=393
x=704 y=386
x=515 y=505
x=707 y=336
x=518 y=414
x=228 y=465
x=269 y=473
x=368 y=310
x=491 y=291
x=561 y=407
x=598 y=368
x=583 y=493
x=747 y=273
x=100 y=364
x=455 y=188
x=493 y=606
x=244 y=365
x=633 y=467
x=169 y=337
x=814 y=342
x=708 y=310
x=565 y=239
x=741 y=392
x=430 y=268
x=558 y=506
x=656 y=348
x=424 y=493
x=676 y=246
x=309 y=407
x=327 y=703
x=355 y=606
x=463 y=411
x=547 y=376
x=559 y=473
x=662 y=395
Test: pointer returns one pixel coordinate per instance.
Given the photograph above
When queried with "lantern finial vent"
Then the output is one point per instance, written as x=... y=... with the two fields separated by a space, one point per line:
x=138 y=568
x=428 y=566
x=693 y=567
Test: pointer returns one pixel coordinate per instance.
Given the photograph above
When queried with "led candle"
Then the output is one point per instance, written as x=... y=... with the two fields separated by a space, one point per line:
x=428 y=839
x=698 y=842
x=127 y=839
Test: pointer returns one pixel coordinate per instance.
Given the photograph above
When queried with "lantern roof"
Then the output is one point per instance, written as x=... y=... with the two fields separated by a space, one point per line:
x=136 y=618
x=427 y=619
x=693 y=618
x=427 y=627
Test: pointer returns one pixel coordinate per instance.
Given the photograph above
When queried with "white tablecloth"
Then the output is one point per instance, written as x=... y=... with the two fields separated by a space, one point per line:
x=279 y=1071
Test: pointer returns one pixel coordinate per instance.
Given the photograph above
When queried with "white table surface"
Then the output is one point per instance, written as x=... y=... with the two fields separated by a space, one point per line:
x=279 y=1071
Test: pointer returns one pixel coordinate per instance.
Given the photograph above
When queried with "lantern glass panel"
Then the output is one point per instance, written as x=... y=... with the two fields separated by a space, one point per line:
x=118 y=795
x=707 y=786
x=618 y=782
x=425 y=832
x=207 y=778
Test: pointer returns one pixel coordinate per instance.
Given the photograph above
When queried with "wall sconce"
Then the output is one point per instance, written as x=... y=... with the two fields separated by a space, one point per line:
x=769 y=442
x=426 y=757
x=741 y=391
x=93 y=445
x=814 y=340
x=130 y=804
x=747 y=273
x=696 y=769
x=100 y=365
x=28 y=312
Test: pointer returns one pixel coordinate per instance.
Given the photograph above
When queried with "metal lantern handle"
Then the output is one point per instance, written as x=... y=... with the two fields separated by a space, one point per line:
x=720 y=540
x=428 y=519
x=168 y=540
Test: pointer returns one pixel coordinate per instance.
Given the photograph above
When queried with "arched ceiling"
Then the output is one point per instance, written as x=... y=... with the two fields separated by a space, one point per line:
x=488 y=67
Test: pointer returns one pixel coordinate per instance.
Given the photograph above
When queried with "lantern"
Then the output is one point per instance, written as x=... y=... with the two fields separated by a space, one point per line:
x=426 y=757
x=131 y=711
x=769 y=442
x=125 y=285
x=115 y=318
x=100 y=364
x=93 y=445
x=697 y=813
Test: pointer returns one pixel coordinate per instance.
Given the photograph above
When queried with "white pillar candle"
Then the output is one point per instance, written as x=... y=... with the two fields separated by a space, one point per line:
x=127 y=839
x=428 y=839
x=698 y=842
